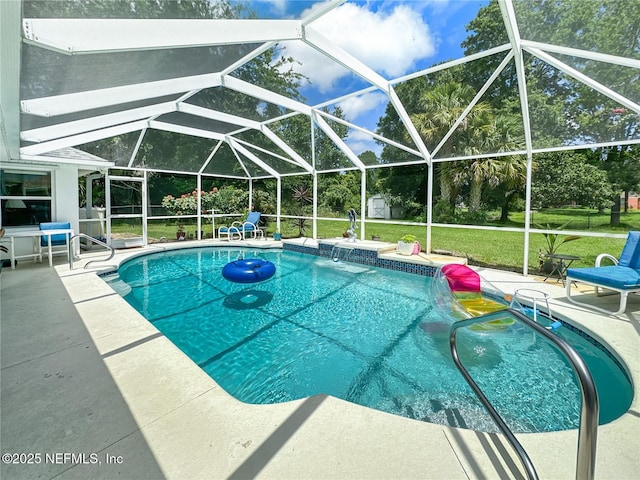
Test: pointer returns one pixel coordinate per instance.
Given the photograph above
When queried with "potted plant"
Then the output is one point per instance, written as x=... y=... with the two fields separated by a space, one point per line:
x=553 y=241
x=180 y=234
x=407 y=245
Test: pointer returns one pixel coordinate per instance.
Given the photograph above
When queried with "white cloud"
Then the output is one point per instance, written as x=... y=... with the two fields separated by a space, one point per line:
x=353 y=107
x=390 y=42
x=361 y=142
x=321 y=72
x=278 y=6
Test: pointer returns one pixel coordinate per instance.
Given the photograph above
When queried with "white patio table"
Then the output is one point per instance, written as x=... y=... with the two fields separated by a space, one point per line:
x=37 y=234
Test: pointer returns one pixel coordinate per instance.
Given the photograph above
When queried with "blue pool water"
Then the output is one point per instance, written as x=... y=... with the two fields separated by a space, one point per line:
x=370 y=336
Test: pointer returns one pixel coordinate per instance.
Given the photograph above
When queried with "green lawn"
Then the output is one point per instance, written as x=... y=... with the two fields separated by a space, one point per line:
x=503 y=250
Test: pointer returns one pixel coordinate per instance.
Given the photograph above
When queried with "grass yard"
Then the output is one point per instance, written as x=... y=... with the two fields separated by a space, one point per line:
x=502 y=250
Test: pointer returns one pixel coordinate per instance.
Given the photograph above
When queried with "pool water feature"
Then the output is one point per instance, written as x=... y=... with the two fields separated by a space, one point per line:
x=367 y=335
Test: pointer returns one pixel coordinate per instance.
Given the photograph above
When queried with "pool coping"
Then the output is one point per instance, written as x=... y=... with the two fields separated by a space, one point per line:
x=194 y=429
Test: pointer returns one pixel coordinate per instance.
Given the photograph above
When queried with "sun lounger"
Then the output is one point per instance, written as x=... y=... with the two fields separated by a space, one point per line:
x=622 y=277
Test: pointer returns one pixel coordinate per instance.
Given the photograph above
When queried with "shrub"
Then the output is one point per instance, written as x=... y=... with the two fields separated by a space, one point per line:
x=225 y=200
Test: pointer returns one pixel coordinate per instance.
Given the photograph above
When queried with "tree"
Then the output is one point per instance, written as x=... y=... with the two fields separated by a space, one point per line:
x=482 y=131
x=562 y=109
x=622 y=166
x=564 y=178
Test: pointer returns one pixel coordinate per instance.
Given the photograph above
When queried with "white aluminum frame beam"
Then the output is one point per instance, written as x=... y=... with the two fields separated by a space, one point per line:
x=322 y=44
x=75 y=127
x=105 y=97
x=194 y=132
x=587 y=54
x=82 y=138
x=474 y=102
x=320 y=10
x=406 y=120
x=210 y=157
x=95 y=164
x=335 y=138
x=263 y=94
x=511 y=26
x=286 y=148
x=233 y=143
x=217 y=115
x=581 y=77
x=372 y=134
x=85 y=36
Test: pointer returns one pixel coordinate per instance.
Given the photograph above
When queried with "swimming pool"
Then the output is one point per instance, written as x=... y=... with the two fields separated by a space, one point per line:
x=370 y=336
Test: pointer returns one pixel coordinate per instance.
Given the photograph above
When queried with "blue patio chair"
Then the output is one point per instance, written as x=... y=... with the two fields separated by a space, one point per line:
x=58 y=241
x=622 y=277
x=241 y=229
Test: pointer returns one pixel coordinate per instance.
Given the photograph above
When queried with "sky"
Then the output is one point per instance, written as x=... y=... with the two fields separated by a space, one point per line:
x=393 y=37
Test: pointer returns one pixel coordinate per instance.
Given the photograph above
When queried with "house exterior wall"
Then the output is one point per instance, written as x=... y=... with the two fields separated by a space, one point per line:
x=65 y=202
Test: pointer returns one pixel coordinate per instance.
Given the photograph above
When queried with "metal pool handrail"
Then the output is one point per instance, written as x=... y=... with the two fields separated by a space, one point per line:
x=588 y=428
x=94 y=240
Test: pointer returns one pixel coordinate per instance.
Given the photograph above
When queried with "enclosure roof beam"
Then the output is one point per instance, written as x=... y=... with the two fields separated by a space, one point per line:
x=335 y=138
x=406 y=120
x=287 y=149
x=82 y=138
x=217 y=115
x=587 y=54
x=473 y=102
x=263 y=94
x=320 y=10
x=105 y=97
x=194 y=132
x=90 y=35
x=75 y=127
x=323 y=45
x=581 y=77
x=251 y=156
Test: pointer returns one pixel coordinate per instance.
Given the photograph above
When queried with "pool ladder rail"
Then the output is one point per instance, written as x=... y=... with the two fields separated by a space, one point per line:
x=91 y=239
x=588 y=428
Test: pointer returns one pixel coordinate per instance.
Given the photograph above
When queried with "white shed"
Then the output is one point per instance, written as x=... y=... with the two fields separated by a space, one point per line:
x=377 y=207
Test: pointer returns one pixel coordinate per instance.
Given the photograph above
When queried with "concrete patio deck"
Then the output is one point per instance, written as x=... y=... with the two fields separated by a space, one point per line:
x=98 y=392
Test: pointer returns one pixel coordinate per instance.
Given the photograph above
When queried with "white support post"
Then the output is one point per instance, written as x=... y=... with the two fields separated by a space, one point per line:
x=314 y=222
x=363 y=203
x=107 y=203
x=199 y=206
x=430 y=173
x=145 y=206
x=278 y=203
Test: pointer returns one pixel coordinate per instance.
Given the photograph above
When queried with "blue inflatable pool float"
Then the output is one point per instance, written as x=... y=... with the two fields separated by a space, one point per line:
x=248 y=270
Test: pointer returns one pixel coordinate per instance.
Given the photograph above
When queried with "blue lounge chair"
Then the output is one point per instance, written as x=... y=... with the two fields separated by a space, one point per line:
x=241 y=229
x=622 y=277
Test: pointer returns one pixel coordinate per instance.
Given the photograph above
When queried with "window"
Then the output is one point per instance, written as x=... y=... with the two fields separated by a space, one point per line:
x=25 y=197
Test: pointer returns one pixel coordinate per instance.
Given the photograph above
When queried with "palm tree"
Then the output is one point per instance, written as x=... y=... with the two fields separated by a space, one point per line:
x=481 y=132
